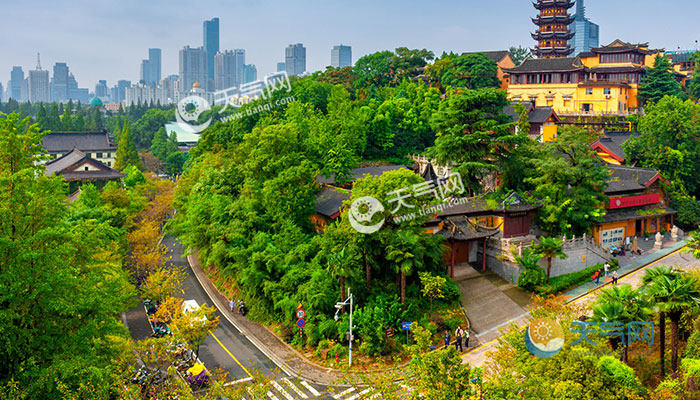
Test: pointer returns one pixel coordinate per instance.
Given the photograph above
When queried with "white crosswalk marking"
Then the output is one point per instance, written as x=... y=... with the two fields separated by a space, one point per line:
x=281 y=390
x=294 y=388
x=376 y=396
x=362 y=393
x=310 y=388
x=343 y=393
x=272 y=396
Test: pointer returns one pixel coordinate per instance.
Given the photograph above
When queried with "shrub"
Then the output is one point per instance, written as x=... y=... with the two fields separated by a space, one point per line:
x=692 y=349
x=530 y=278
x=451 y=292
x=452 y=321
x=328 y=329
x=563 y=282
x=618 y=373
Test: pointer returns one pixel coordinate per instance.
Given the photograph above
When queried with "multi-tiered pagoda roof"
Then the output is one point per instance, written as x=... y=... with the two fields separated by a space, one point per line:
x=553 y=32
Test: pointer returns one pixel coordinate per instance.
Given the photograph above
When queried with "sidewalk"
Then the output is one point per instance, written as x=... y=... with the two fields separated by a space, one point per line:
x=288 y=359
x=477 y=356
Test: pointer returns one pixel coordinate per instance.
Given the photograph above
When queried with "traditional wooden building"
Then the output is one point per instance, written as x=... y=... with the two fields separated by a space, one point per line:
x=637 y=203
x=96 y=145
x=329 y=205
x=78 y=168
x=553 y=34
x=609 y=146
x=467 y=225
x=543 y=121
x=602 y=81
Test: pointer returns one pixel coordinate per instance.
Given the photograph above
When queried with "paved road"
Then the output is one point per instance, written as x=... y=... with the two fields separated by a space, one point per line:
x=225 y=348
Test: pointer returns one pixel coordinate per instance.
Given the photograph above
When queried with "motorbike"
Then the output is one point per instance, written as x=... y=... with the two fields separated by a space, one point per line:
x=242 y=309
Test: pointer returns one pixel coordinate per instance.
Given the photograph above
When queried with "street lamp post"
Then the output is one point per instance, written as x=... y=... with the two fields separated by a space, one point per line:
x=339 y=306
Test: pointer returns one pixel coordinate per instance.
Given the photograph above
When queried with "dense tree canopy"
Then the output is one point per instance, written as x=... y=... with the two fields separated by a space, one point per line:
x=660 y=81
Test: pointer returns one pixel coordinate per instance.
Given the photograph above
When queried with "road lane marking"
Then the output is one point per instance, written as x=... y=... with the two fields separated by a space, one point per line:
x=310 y=388
x=362 y=393
x=238 y=381
x=229 y=353
x=343 y=393
x=272 y=396
x=294 y=388
x=281 y=390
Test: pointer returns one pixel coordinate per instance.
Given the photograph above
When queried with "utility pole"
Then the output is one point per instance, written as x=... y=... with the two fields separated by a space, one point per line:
x=339 y=306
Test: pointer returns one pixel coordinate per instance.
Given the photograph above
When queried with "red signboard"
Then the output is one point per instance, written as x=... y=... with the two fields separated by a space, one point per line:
x=634 y=201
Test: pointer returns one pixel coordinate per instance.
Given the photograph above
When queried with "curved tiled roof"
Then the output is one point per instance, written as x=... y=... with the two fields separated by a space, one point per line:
x=62 y=142
x=548 y=64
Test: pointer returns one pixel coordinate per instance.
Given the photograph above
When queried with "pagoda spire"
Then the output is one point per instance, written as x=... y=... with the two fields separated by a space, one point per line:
x=553 y=34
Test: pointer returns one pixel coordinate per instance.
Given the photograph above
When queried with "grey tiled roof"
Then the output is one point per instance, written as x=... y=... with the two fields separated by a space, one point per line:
x=358 y=173
x=496 y=56
x=548 y=64
x=625 y=214
x=63 y=162
x=330 y=201
x=61 y=142
x=459 y=228
x=537 y=115
x=628 y=179
x=613 y=141
x=59 y=166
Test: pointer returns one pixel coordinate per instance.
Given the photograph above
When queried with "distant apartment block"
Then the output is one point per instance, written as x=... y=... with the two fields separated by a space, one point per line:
x=250 y=73
x=193 y=67
x=341 y=56
x=150 y=68
x=295 y=59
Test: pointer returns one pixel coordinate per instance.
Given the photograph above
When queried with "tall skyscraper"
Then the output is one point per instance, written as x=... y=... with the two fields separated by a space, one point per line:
x=586 y=33
x=553 y=34
x=211 y=45
x=341 y=56
x=118 y=92
x=2 y=93
x=150 y=69
x=295 y=59
x=101 y=89
x=193 y=67
x=281 y=66
x=16 y=83
x=59 y=82
x=250 y=73
x=224 y=70
x=38 y=83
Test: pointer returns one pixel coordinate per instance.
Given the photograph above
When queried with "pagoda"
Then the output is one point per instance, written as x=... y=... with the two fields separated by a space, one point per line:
x=553 y=32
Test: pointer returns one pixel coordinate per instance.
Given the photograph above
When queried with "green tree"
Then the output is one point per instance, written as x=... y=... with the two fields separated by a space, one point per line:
x=158 y=146
x=693 y=245
x=694 y=84
x=660 y=81
x=620 y=304
x=531 y=275
x=126 y=152
x=53 y=121
x=67 y=123
x=519 y=54
x=677 y=294
x=569 y=180
x=550 y=247
x=652 y=277
x=63 y=284
x=433 y=287
x=41 y=117
x=79 y=123
x=472 y=71
x=473 y=134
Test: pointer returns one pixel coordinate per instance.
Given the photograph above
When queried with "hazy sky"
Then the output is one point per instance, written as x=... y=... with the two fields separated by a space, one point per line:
x=108 y=39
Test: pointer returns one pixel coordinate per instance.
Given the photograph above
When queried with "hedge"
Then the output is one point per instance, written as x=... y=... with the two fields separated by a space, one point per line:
x=566 y=281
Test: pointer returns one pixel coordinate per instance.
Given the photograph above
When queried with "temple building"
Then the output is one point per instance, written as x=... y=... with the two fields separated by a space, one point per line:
x=553 y=34
x=603 y=81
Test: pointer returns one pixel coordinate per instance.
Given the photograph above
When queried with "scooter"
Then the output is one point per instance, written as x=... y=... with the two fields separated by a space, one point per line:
x=242 y=309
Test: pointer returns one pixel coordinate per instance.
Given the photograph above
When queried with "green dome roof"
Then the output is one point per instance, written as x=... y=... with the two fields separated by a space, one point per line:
x=95 y=102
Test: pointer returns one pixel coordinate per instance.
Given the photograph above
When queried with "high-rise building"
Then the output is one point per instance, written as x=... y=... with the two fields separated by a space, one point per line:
x=295 y=59
x=341 y=56
x=75 y=93
x=150 y=69
x=168 y=83
x=118 y=92
x=193 y=67
x=239 y=65
x=211 y=45
x=101 y=89
x=16 y=83
x=2 y=92
x=586 y=33
x=250 y=73
x=553 y=34
x=281 y=66
x=146 y=95
x=224 y=70
x=59 y=82
x=38 y=83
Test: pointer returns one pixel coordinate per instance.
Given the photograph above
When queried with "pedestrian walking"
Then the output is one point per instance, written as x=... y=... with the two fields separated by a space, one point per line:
x=447 y=339
x=596 y=276
x=607 y=268
x=458 y=339
x=466 y=339
x=232 y=304
x=614 y=276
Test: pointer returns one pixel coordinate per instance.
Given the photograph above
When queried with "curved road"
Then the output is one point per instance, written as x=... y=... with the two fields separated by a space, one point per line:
x=225 y=348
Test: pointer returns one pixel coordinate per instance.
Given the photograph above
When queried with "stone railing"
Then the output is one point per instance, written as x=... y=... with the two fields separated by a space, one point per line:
x=504 y=245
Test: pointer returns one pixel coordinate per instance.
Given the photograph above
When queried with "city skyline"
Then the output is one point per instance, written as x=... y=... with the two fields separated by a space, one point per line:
x=114 y=37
